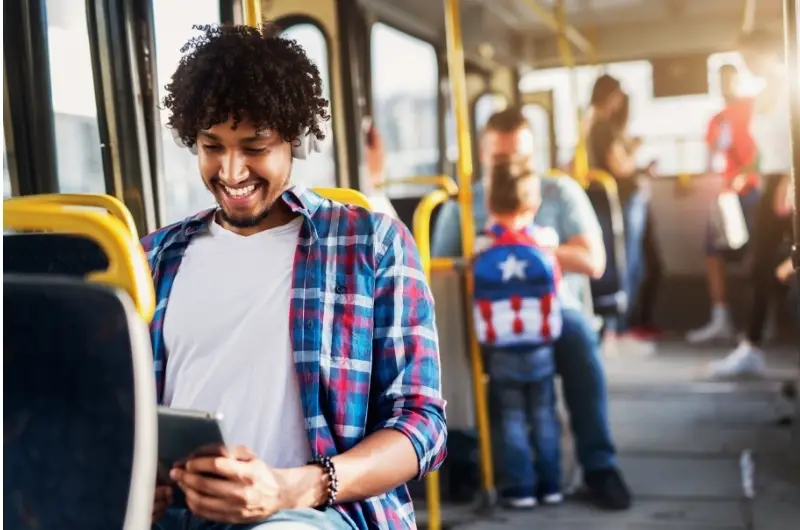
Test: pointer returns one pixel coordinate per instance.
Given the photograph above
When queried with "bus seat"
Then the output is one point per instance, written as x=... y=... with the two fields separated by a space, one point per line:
x=79 y=407
x=49 y=253
x=608 y=292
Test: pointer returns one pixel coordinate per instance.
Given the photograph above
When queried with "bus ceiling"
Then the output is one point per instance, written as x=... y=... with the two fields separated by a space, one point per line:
x=522 y=33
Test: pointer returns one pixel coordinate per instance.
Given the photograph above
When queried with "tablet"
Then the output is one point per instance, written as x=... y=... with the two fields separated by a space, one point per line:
x=186 y=433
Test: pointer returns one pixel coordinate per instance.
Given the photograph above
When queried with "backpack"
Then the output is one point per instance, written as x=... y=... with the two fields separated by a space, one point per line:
x=516 y=282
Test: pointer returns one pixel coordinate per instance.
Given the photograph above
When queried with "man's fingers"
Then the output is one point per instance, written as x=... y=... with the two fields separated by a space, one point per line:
x=223 y=467
x=209 y=486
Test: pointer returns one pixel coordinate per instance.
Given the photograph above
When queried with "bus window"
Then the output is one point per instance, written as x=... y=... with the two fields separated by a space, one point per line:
x=79 y=161
x=319 y=170
x=486 y=105
x=405 y=80
x=539 y=121
x=677 y=145
x=184 y=191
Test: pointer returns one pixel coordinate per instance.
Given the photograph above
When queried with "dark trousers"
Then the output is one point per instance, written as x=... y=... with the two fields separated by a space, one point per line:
x=769 y=247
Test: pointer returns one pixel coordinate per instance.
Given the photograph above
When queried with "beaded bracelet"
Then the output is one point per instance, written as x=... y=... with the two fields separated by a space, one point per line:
x=327 y=466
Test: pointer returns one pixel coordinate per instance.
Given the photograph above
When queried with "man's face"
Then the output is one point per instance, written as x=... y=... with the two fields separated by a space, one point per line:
x=495 y=144
x=245 y=169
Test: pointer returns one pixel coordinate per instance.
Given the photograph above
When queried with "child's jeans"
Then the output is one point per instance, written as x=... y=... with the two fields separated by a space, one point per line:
x=528 y=432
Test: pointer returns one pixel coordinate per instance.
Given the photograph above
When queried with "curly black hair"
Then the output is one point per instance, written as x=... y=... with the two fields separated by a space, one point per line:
x=245 y=73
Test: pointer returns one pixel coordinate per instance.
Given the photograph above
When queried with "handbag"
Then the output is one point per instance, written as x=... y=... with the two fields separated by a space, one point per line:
x=728 y=222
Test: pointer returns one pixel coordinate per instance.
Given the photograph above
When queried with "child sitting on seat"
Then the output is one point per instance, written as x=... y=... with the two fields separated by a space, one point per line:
x=517 y=319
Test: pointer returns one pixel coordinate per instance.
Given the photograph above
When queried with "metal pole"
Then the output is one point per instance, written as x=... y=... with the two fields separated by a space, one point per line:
x=458 y=83
x=252 y=12
x=793 y=70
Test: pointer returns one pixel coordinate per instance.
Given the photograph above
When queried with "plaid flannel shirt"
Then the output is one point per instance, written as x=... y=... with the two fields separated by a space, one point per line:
x=362 y=330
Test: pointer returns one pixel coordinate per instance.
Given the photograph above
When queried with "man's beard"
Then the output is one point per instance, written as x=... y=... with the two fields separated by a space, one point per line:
x=245 y=222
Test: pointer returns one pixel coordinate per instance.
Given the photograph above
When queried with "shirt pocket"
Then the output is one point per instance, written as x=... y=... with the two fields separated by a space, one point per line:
x=346 y=351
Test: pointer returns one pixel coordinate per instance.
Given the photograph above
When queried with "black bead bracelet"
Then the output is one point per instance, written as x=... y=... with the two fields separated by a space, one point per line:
x=327 y=466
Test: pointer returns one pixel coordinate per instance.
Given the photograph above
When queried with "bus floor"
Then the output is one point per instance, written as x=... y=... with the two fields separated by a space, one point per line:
x=680 y=439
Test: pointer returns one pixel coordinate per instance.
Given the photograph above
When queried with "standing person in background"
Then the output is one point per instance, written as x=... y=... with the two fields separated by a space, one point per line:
x=728 y=136
x=611 y=150
x=517 y=320
x=640 y=309
x=763 y=56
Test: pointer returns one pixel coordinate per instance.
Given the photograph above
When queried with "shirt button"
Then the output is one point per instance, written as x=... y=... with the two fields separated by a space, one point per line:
x=340 y=289
x=310 y=324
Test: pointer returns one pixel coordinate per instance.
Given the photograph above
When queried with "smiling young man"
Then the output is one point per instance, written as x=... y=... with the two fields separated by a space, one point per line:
x=308 y=324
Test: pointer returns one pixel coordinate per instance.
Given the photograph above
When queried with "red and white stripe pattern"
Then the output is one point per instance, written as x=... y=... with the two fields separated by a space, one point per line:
x=518 y=320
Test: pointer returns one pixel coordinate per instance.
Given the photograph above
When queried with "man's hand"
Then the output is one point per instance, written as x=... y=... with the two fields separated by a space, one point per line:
x=236 y=488
x=785 y=271
x=161 y=501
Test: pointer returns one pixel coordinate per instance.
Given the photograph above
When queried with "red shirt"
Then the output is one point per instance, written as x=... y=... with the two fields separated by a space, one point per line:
x=729 y=133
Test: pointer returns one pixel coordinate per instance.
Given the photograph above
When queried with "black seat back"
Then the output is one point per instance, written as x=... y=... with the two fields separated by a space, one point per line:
x=78 y=407
x=608 y=292
x=47 y=253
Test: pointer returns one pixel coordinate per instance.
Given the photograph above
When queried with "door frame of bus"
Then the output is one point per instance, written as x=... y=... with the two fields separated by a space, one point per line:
x=790 y=36
x=126 y=92
x=26 y=80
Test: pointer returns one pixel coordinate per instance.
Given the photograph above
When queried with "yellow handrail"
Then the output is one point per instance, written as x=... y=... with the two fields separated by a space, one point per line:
x=127 y=265
x=345 y=196
x=458 y=83
x=442 y=181
x=97 y=200
x=422 y=235
x=580 y=160
x=422 y=226
x=602 y=177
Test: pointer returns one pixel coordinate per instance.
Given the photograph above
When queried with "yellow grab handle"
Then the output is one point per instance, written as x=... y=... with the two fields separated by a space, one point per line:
x=603 y=178
x=111 y=204
x=441 y=181
x=127 y=264
x=422 y=226
x=344 y=196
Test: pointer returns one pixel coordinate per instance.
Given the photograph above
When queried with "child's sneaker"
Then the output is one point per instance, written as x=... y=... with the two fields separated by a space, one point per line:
x=521 y=503
x=552 y=498
x=550 y=494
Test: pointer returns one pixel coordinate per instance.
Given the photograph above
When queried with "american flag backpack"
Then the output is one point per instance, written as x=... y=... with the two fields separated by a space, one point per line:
x=516 y=282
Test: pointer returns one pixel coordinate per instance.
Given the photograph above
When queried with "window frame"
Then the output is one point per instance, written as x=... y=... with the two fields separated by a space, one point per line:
x=29 y=124
x=441 y=76
x=296 y=19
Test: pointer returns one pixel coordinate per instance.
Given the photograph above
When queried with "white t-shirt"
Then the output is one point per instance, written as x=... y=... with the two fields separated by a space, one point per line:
x=770 y=129
x=227 y=337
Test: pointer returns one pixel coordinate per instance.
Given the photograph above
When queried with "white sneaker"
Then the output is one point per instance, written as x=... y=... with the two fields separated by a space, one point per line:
x=717 y=329
x=553 y=498
x=521 y=502
x=746 y=359
x=636 y=347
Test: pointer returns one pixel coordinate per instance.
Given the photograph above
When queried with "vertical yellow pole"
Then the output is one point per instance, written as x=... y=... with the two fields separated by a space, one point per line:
x=458 y=84
x=252 y=12
x=581 y=158
x=422 y=235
